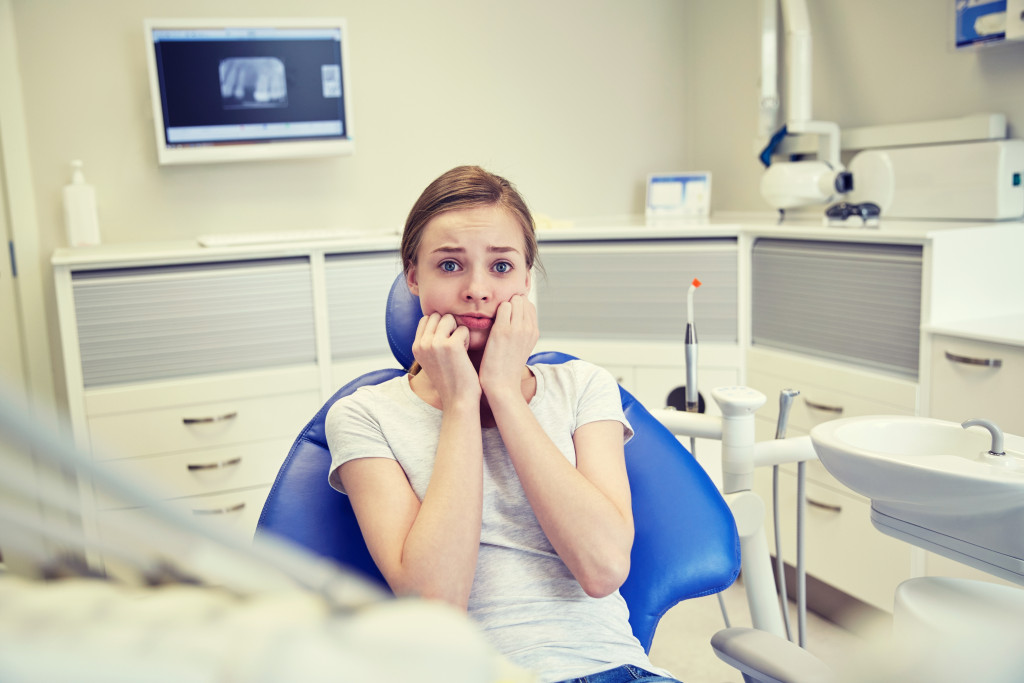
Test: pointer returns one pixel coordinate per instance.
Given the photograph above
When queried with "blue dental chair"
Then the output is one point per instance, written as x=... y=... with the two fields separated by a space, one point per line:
x=686 y=544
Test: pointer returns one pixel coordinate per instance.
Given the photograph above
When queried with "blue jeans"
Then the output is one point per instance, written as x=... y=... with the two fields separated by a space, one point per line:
x=626 y=673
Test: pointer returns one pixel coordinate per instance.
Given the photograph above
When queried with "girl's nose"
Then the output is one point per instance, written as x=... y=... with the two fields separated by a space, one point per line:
x=477 y=288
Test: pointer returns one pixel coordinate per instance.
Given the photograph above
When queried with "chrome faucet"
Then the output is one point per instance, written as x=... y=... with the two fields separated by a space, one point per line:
x=996 y=432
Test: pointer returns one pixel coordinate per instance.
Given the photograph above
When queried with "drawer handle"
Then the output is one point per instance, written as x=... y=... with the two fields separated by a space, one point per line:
x=208 y=420
x=838 y=410
x=219 y=511
x=215 y=465
x=967 y=360
x=823 y=506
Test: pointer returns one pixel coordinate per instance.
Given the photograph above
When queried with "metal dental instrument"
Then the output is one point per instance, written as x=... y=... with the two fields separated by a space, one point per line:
x=692 y=395
x=786 y=397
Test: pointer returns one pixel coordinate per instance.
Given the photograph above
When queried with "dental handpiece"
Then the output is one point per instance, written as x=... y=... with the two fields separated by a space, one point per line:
x=692 y=396
x=690 y=350
x=786 y=397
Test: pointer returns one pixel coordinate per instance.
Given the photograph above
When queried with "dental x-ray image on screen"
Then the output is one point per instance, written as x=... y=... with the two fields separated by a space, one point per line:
x=253 y=82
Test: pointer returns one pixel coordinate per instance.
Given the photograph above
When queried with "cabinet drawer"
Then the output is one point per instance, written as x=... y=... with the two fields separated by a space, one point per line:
x=203 y=472
x=839 y=536
x=234 y=512
x=201 y=426
x=827 y=391
x=961 y=390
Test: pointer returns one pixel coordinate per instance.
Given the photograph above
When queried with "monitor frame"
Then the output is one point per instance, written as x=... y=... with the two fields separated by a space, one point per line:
x=247 y=150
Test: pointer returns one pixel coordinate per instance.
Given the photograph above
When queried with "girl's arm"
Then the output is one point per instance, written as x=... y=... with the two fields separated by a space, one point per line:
x=429 y=549
x=585 y=510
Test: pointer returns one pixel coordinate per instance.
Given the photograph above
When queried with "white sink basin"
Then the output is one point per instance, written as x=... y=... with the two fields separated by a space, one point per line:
x=934 y=481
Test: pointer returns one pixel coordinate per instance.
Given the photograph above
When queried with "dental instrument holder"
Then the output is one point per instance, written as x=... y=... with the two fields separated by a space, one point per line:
x=738 y=405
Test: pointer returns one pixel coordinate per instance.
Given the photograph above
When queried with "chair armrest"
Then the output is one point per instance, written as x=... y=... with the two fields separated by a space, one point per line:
x=767 y=658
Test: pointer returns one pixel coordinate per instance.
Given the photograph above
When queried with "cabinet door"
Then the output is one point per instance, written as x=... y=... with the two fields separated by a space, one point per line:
x=356 y=290
x=856 y=303
x=842 y=548
x=977 y=379
x=147 y=323
x=637 y=289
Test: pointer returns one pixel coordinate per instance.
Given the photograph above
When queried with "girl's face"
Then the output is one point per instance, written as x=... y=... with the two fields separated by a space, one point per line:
x=469 y=262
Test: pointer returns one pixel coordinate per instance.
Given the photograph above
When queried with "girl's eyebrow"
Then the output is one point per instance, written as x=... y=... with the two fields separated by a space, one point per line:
x=461 y=250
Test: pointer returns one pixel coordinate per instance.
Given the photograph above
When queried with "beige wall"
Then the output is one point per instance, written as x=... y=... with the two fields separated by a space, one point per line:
x=575 y=100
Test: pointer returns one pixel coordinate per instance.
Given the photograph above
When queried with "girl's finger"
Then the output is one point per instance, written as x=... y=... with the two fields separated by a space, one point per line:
x=461 y=335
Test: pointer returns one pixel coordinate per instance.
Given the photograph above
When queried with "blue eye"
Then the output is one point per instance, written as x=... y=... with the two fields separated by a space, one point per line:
x=503 y=267
x=449 y=266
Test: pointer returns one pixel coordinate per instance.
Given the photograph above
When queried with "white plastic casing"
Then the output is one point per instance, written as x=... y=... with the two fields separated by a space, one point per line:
x=738 y=405
x=790 y=184
x=967 y=181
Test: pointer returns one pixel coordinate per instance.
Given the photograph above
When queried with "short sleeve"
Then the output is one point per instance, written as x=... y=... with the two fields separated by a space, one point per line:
x=353 y=431
x=599 y=398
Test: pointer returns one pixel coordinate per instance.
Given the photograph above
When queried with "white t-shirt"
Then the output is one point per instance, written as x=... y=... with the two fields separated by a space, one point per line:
x=524 y=597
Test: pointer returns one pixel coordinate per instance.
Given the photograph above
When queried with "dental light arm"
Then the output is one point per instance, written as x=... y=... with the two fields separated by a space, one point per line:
x=787 y=184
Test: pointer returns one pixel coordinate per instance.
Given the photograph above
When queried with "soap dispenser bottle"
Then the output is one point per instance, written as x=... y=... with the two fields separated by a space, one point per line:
x=80 y=216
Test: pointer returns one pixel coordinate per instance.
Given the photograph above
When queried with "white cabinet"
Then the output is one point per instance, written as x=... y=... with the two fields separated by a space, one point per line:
x=191 y=372
x=840 y=323
x=973 y=378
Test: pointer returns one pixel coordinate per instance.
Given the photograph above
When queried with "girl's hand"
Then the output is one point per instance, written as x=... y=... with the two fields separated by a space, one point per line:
x=512 y=338
x=441 y=347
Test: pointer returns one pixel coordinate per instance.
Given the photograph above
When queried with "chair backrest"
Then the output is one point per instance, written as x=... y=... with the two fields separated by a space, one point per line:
x=685 y=546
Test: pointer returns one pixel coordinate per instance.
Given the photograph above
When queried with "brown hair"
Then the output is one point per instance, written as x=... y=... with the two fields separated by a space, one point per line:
x=466 y=187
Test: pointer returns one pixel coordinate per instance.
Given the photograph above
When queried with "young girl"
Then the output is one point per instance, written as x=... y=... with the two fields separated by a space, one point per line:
x=496 y=486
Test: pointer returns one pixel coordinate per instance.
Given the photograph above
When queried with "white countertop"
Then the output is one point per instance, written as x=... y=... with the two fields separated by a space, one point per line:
x=754 y=224
x=999 y=330
x=1008 y=329
x=724 y=225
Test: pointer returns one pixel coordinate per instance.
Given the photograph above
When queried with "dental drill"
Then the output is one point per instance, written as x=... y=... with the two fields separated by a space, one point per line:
x=692 y=395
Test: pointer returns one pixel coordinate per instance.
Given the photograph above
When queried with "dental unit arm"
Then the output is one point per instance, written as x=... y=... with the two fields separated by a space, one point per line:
x=792 y=184
x=763 y=653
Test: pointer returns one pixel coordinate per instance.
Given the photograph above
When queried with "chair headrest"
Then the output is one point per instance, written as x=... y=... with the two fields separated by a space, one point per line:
x=401 y=319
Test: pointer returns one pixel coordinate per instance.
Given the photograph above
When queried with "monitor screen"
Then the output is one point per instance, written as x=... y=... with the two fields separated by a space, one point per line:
x=249 y=89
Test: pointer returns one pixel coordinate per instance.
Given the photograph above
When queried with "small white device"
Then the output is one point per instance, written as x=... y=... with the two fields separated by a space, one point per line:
x=966 y=181
x=790 y=184
x=679 y=195
x=246 y=89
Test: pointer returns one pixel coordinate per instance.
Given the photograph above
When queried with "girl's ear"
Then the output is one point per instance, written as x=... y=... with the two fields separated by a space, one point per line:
x=410 y=279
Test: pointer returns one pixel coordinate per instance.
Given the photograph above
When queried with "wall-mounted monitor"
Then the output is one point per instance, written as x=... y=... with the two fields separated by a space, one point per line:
x=245 y=89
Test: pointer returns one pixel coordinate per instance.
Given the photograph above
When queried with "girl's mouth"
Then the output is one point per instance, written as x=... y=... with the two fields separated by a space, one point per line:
x=473 y=322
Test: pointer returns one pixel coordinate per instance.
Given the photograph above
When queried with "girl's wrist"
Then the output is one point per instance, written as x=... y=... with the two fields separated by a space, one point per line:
x=502 y=395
